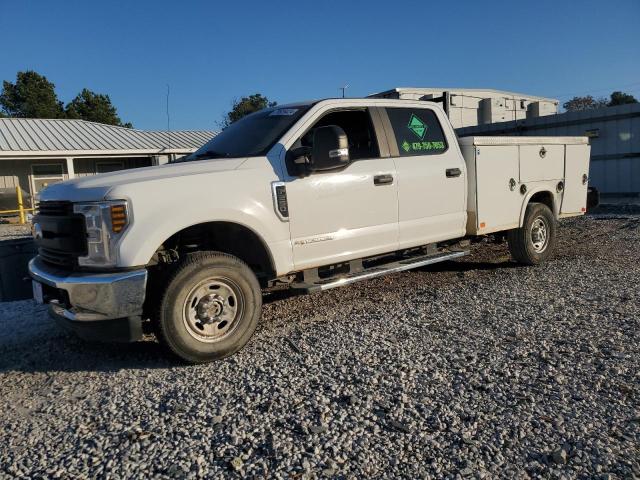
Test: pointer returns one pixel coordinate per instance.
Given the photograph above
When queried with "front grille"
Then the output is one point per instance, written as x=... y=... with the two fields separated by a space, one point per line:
x=55 y=209
x=64 y=236
x=58 y=258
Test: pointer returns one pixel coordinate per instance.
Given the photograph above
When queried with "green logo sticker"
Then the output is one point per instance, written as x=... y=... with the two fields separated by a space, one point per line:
x=420 y=146
x=417 y=126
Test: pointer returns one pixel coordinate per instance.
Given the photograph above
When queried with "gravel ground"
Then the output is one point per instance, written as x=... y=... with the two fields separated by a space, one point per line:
x=475 y=368
x=12 y=231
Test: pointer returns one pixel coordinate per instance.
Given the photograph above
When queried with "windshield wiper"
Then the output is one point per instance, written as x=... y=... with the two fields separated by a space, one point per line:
x=209 y=155
x=202 y=156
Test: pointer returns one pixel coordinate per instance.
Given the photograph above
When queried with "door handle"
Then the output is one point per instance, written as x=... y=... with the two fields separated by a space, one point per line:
x=453 y=172
x=385 y=179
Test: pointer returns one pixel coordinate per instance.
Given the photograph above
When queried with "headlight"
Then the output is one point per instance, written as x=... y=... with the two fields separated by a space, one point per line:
x=106 y=223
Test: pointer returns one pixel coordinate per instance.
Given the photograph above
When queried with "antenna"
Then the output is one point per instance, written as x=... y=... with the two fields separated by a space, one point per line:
x=168 y=119
x=343 y=89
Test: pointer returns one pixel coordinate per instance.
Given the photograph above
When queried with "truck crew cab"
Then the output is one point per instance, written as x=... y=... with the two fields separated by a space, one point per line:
x=311 y=195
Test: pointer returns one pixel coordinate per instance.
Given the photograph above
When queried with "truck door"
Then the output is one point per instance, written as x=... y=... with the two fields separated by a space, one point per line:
x=431 y=176
x=349 y=213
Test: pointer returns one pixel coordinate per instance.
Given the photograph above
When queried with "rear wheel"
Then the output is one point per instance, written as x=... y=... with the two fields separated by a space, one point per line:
x=210 y=307
x=535 y=241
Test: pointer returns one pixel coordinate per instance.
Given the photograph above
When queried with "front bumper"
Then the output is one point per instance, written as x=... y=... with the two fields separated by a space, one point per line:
x=91 y=297
x=128 y=329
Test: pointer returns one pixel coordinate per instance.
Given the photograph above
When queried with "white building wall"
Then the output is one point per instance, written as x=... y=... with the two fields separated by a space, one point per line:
x=471 y=107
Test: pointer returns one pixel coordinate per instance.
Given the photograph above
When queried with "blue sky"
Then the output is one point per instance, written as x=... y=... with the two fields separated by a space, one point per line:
x=212 y=52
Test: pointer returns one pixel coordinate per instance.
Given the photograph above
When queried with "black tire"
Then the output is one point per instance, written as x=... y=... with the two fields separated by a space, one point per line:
x=522 y=246
x=219 y=287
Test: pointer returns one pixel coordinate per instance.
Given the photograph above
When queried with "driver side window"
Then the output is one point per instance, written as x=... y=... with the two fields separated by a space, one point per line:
x=358 y=127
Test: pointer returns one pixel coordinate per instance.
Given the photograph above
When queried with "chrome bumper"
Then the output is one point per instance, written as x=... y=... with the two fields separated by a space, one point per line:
x=93 y=296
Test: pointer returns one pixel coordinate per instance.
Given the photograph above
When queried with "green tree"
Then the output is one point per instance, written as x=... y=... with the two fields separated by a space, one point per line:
x=31 y=96
x=94 y=107
x=245 y=106
x=584 y=103
x=621 y=98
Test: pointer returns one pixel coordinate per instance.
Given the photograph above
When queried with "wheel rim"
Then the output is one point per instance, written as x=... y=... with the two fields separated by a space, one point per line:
x=539 y=235
x=212 y=309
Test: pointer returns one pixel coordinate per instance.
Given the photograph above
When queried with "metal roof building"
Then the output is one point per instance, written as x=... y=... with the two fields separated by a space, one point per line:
x=37 y=152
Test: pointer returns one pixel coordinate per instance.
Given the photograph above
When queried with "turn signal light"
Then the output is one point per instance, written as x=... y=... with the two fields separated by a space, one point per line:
x=118 y=218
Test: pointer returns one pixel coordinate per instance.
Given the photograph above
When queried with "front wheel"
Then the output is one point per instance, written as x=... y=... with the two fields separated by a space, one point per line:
x=210 y=307
x=535 y=241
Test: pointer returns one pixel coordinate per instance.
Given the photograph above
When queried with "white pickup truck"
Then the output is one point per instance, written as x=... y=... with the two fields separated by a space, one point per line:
x=311 y=195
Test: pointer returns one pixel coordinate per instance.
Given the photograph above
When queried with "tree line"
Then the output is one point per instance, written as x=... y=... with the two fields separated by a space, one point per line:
x=253 y=103
x=33 y=96
x=590 y=103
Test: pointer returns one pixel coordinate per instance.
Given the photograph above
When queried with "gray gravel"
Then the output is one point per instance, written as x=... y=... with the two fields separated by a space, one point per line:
x=12 y=231
x=472 y=369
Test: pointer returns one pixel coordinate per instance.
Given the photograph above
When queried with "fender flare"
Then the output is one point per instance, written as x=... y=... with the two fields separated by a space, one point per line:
x=527 y=200
x=143 y=256
x=260 y=238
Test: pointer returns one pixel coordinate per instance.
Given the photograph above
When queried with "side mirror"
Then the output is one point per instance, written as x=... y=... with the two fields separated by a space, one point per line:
x=330 y=149
x=299 y=155
x=298 y=161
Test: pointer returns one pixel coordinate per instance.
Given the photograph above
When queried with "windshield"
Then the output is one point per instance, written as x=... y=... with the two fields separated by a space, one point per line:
x=251 y=136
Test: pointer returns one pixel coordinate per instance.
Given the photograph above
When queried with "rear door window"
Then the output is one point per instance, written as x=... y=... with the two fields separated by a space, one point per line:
x=417 y=131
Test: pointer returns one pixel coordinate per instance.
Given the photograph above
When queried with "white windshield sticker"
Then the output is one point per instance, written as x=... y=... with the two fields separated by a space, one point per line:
x=283 y=111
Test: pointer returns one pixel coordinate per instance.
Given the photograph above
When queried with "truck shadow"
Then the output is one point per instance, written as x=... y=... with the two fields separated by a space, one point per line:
x=67 y=353
x=60 y=351
x=469 y=266
x=455 y=266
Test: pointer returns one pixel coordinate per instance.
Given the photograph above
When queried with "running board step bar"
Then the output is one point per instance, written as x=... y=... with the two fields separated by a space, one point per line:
x=378 y=271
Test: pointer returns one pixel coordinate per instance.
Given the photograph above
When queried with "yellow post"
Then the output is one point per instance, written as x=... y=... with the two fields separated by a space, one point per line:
x=20 y=205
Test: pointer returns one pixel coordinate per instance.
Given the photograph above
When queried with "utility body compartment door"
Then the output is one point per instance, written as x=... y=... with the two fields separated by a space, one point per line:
x=576 y=170
x=541 y=162
x=498 y=199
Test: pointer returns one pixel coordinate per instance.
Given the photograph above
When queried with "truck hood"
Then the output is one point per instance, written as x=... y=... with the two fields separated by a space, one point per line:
x=97 y=187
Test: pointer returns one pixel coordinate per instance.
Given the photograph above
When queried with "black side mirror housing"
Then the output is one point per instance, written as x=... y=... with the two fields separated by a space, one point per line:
x=330 y=149
x=298 y=161
x=299 y=155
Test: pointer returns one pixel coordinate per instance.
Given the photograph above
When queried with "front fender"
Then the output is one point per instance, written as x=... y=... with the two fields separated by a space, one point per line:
x=169 y=206
x=137 y=248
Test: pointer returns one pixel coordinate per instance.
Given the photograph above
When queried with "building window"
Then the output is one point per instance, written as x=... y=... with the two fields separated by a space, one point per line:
x=106 y=167
x=46 y=174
